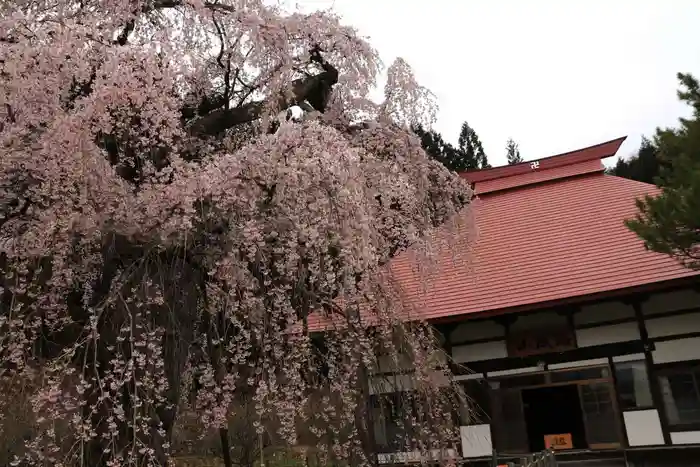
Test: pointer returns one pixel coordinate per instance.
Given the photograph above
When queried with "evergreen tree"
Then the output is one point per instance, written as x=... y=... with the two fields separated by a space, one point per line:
x=471 y=150
x=431 y=141
x=513 y=152
x=670 y=222
x=440 y=150
x=643 y=166
x=468 y=156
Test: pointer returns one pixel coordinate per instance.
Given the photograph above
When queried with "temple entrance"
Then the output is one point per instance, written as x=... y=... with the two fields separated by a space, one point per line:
x=565 y=409
x=554 y=410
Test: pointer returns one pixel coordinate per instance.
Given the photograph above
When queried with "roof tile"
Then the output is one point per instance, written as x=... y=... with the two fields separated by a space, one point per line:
x=542 y=243
x=543 y=235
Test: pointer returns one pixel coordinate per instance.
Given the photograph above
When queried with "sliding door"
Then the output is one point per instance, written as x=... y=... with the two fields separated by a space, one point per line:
x=509 y=427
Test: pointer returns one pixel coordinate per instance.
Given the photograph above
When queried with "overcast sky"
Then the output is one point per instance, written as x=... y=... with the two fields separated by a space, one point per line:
x=554 y=75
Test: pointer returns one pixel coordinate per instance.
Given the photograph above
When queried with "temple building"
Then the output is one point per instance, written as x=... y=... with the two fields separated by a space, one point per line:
x=568 y=332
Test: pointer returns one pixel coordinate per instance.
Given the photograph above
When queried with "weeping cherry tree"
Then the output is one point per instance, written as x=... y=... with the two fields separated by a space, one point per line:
x=199 y=202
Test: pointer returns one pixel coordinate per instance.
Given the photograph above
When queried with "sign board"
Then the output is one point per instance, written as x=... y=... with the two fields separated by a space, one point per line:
x=561 y=441
x=541 y=341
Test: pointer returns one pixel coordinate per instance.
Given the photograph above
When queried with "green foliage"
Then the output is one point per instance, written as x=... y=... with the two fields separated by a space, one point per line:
x=670 y=222
x=468 y=156
x=645 y=166
x=471 y=150
x=513 y=152
x=439 y=149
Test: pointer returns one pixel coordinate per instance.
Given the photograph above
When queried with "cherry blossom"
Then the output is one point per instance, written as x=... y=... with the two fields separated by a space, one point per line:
x=172 y=242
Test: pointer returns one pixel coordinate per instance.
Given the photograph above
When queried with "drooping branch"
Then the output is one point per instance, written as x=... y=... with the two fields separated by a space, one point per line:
x=133 y=310
x=221 y=32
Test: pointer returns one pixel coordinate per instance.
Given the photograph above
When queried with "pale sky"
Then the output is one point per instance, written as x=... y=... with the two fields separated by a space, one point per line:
x=555 y=75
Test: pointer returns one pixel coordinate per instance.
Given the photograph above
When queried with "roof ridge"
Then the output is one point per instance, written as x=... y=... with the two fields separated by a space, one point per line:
x=598 y=151
x=553 y=242
x=556 y=175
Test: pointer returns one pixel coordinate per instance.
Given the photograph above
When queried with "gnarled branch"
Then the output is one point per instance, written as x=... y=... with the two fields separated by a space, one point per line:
x=315 y=90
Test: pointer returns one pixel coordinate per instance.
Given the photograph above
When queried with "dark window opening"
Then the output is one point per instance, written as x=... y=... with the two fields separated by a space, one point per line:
x=599 y=414
x=553 y=410
x=578 y=404
x=476 y=409
x=509 y=428
x=680 y=390
x=633 y=385
x=388 y=416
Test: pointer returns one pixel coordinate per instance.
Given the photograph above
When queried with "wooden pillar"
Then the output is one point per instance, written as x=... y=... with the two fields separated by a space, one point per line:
x=656 y=395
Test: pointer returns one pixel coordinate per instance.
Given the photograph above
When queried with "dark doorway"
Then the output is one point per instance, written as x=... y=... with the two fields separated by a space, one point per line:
x=551 y=411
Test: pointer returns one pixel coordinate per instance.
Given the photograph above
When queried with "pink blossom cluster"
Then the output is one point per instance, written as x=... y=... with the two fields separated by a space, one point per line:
x=145 y=261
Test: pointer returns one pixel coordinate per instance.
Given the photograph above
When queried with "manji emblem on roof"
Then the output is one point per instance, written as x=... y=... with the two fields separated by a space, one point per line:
x=550 y=231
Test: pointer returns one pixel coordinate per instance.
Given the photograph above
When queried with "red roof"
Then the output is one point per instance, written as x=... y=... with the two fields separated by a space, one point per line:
x=545 y=234
x=591 y=153
x=538 y=176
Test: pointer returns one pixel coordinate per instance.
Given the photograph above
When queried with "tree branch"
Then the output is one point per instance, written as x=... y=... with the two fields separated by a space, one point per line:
x=160 y=4
x=218 y=117
x=124 y=35
x=315 y=89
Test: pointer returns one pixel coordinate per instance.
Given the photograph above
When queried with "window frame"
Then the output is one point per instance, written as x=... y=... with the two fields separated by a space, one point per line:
x=671 y=368
x=651 y=379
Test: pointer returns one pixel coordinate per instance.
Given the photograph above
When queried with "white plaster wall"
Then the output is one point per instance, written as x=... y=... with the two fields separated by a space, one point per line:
x=607 y=334
x=673 y=325
x=628 y=358
x=476 y=440
x=685 y=437
x=671 y=301
x=469 y=377
x=577 y=364
x=440 y=379
x=470 y=331
x=601 y=312
x=476 y=352
x=514 y=371
x=643 y=427
x=677 y=351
